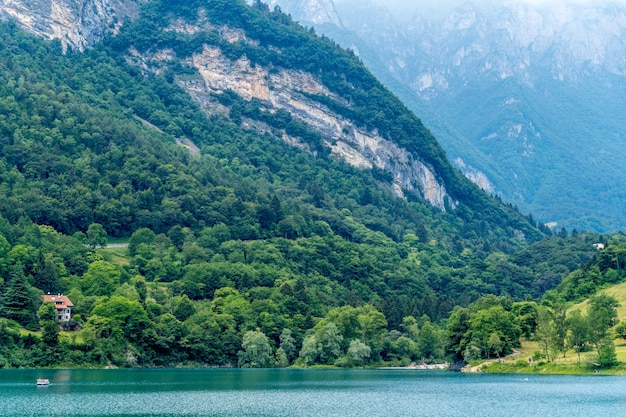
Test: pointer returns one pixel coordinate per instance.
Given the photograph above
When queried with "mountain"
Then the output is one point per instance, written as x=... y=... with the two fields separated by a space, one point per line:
x=532 y=93
x=356 y=121
x=269 y=188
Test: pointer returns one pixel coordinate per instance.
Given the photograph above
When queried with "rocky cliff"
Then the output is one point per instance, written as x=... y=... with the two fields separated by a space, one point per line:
x=291 y=91
x=76 y=23
x=80 y=23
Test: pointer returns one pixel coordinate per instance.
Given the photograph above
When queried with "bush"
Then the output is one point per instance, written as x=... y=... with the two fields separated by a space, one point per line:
x=344 y=362
x=537 y=355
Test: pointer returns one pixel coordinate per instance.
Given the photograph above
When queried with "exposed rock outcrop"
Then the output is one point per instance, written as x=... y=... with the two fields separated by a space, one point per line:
x=285 y=89
x=76 y=23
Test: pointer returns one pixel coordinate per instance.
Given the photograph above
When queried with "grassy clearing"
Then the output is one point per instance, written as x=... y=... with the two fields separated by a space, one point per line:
x=117 y=256
x=75 y=338
x=620 y=350
x=617 y=291
x=24 y=332
x=552 y=369
x=563 y=365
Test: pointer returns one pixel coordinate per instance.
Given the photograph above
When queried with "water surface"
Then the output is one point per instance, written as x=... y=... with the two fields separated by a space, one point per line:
x=295 y=392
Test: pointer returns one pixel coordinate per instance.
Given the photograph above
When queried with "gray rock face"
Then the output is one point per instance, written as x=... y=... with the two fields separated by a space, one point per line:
x=283 y=89
x=76 y=23
x=518 y=40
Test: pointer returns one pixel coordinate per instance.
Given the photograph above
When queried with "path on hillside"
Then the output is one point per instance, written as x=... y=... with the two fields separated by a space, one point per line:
x=480 y=366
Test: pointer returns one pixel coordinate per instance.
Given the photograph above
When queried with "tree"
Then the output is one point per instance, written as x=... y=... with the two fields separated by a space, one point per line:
x=50 y=333
x=96 y=236
x=359 y=352
x=494 y=320
x=140 y=236
x=288 y=344
x=183 y=307
x=256 y=351
x=578 y=331
x=547 y=332
x=122 y=328
x=310 y=350
x=406 y=347
x=47 y=312
x=457 y=330
x=5 y=260
x=602 y=316
x=101 y=278
x=212 y=338
x=281 y=358
x=428 y=343
x=372 y=323
x=229 y=301
x=170 y=334
x=330 y=339
x=177 y=236
x=18 y=302
x=495 y=344
x=620 y=330
x=46 y=273
x=606 y=353
x=411 y=327
x=526 y=317
x=560 y=316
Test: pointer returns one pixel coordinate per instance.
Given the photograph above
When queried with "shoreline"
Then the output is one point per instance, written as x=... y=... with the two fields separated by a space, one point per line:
x=421 y=367
x=581 y=369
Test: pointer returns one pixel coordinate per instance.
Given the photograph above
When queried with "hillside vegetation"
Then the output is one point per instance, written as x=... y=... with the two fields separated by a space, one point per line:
x=250 y=253
x=578 y=327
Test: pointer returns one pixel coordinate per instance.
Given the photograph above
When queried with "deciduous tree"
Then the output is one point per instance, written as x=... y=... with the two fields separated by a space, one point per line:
x=96 y=236
x=256 y=351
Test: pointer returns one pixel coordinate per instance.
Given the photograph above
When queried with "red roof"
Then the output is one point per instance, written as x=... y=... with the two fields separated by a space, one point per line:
x=59 y=301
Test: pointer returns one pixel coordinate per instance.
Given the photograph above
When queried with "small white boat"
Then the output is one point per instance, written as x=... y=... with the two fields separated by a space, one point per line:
x=43 y=381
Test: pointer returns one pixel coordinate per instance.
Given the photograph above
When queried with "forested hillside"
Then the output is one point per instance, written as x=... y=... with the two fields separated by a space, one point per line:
x=246 y=245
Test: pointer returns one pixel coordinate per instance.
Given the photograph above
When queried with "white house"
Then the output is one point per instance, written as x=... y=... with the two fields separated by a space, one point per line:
x=62 y=304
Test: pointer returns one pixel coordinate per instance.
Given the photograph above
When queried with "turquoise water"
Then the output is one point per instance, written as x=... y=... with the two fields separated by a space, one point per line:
x=234 y=392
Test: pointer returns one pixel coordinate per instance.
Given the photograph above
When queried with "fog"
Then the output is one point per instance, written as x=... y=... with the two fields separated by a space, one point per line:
x=434 y=8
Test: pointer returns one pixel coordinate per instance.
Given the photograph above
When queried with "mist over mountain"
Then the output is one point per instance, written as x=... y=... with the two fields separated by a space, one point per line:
x=530 y=93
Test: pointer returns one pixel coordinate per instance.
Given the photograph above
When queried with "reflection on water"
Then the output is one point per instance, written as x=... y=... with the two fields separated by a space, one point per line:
x=236 y=392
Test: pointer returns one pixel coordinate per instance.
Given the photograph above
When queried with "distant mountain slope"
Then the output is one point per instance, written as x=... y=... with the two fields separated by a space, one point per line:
x=538 y=91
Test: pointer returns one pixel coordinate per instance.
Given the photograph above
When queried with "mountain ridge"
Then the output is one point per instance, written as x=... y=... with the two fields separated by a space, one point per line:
x=517 y=83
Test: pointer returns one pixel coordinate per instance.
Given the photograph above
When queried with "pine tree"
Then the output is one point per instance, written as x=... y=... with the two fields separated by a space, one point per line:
x=46 y=274
x=18 y=301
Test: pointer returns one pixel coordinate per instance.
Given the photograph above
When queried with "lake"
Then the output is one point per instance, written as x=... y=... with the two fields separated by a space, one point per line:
x=297 y=392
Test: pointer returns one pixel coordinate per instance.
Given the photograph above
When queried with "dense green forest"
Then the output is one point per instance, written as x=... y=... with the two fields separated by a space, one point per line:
x=251 y=253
